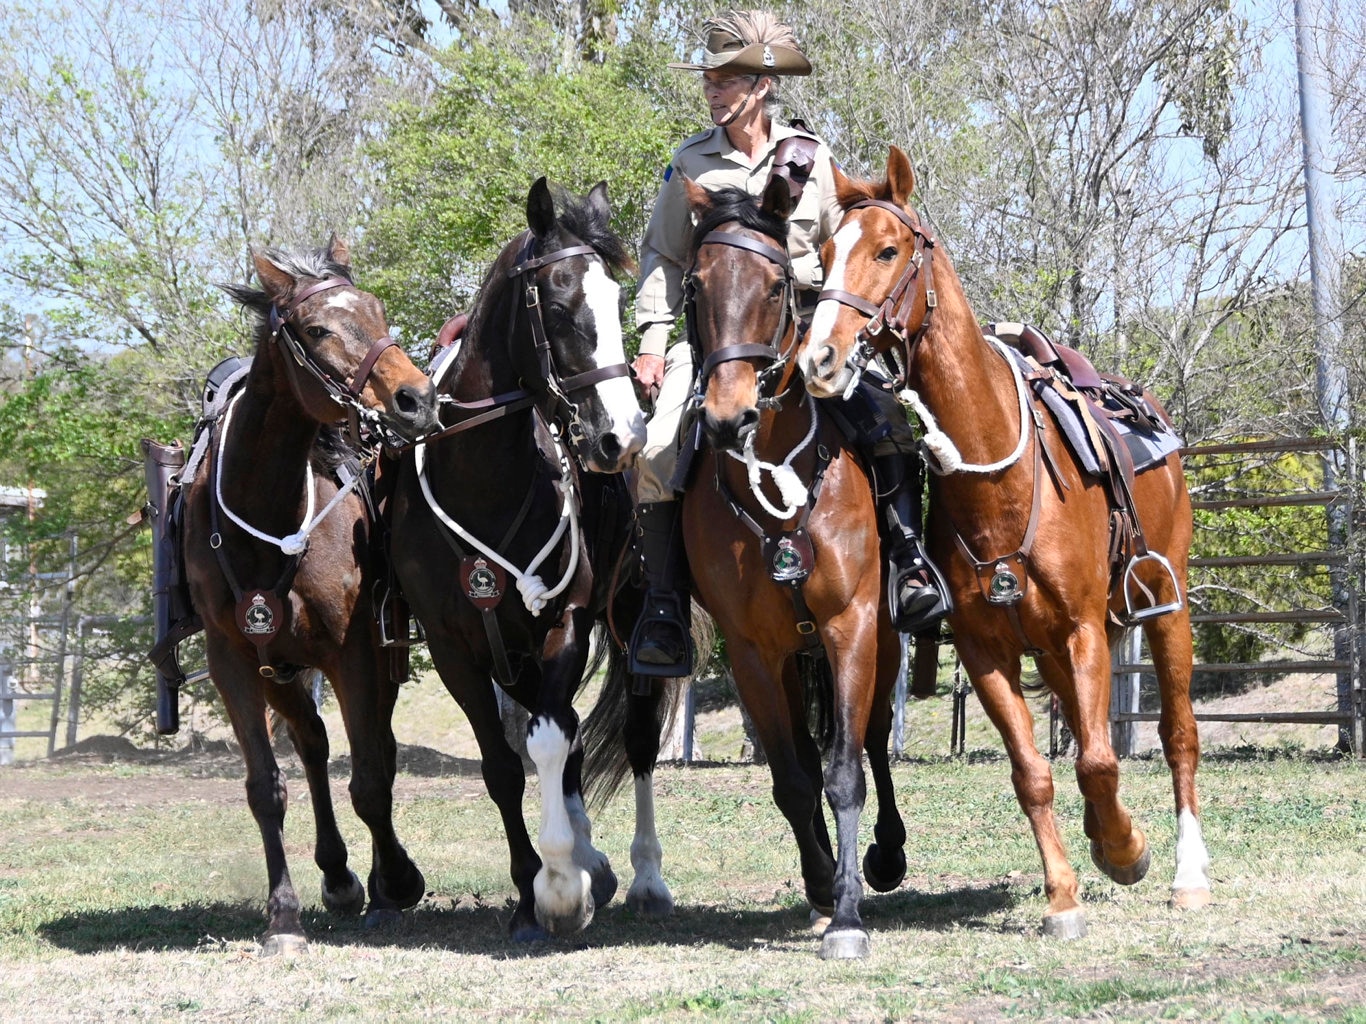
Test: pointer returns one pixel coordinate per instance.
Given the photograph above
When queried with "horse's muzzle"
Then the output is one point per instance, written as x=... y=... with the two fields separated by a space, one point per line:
x=412 y=412
x=730 y=434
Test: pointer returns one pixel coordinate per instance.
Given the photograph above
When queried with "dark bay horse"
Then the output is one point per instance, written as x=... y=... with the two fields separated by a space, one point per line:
x=505 y=547
x=783 y=547
x=1022 y=535
x=279 y=569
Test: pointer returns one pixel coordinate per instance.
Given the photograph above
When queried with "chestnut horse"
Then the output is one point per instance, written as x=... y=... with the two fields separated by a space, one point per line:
x=505 y=547
x=1048 y=536
x=279 y=568
x=790 y=567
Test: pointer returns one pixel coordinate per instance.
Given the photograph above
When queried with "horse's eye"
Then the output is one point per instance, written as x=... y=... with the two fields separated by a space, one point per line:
x=777 y=290
x=316 y=333
x=887 y=255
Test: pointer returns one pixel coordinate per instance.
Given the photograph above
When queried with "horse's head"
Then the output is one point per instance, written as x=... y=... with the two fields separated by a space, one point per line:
x=576 y=364
x=329 y=343
x=878 y=285
x=740 y=305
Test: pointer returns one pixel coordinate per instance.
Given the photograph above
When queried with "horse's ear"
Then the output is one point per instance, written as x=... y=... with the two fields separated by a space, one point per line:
x=900 y=177
x=847 y=190
x=777 y=199
x=339 y=252
x=598 y=204
x=277 y=283
x=699 y=199
x=540 y=209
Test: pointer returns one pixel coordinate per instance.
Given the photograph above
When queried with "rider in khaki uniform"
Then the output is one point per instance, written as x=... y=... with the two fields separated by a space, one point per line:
x=746 y=52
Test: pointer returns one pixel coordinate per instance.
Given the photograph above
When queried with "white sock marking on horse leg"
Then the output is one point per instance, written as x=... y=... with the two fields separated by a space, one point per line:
x=1192 y=858
x=617 y=395
x=561 y=886
x=647 y=855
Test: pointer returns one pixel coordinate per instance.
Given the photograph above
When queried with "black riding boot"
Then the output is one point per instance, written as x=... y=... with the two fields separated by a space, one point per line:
x=917 y=595
x=661 y=643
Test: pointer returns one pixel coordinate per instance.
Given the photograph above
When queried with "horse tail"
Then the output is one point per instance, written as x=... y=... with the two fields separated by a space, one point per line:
x=605 y=761
x=818 y=691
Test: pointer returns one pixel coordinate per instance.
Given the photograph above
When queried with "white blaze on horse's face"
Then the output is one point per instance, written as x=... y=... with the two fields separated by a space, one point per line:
x=602 y=295
x=824 y=379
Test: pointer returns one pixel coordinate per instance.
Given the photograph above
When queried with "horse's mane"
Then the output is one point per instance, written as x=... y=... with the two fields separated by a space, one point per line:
x=592 y=227
x=733 y=205
x=296 y=263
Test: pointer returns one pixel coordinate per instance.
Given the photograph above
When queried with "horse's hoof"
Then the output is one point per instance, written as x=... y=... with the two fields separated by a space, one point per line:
x=1190 y=899
x=404 y=895
x=604 y=885
x=820 y=920
x=529 y=931
x=654 y=906
x=1070 y=924
x=845 y=944
x=284 y=944
x=347 y=900
x=1129 y=873
x=382 y=917
x=880 y=876
x=569 y=920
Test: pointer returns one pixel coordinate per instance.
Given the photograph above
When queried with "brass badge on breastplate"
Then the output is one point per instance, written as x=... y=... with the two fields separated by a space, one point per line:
x=789 y=557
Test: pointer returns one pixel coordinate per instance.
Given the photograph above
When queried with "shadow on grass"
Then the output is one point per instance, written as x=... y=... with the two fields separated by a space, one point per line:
x=475 y=928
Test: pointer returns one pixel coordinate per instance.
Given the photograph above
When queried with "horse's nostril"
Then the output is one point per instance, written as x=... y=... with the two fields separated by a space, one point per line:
x=749 y=419
x=825 y=359
x=610 y=447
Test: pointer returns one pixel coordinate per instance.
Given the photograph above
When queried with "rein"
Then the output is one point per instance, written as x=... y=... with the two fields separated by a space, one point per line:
x=894 y=313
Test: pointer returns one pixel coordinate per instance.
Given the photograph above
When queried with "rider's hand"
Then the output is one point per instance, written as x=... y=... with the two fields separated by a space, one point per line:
x=649 y=370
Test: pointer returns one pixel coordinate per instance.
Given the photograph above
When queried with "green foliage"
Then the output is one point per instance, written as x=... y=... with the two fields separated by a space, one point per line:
x=454 y=172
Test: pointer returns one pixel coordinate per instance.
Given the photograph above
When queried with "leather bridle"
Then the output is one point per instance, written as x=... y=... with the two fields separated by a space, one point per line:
x=894 y=312
x=344 y=393
x=771 y=350
x=547 y=384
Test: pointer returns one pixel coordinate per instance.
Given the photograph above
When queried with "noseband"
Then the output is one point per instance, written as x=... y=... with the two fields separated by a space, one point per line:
x=749 y=350
x=347 y=394
x=548 y=384
x=894 y=314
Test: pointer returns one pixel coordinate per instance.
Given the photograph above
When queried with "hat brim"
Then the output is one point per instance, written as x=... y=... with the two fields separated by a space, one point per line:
x=754 y=59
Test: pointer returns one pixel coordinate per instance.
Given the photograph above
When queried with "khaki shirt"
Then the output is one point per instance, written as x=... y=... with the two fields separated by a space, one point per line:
x=709 y=159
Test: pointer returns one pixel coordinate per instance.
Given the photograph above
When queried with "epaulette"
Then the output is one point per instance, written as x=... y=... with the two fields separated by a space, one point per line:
x=691 y=140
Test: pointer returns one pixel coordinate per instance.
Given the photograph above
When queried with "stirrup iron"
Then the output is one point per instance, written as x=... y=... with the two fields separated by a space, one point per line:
x=1152 y=611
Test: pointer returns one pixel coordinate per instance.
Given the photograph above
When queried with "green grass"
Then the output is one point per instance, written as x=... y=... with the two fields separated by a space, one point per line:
x=140 y=891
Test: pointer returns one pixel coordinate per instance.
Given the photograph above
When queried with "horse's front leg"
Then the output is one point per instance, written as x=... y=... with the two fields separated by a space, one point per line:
x=564 y=885
x=240 y=687
x=367 y=701
x=997 y=682
x=1080 y=676
x=649 y=895
x=851 y=645
x=341 y=890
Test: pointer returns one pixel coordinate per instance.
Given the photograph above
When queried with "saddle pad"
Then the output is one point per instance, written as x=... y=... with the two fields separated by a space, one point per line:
x=1146 y=449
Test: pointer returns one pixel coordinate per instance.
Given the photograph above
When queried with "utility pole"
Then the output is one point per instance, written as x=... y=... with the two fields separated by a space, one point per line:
x=1325 y=251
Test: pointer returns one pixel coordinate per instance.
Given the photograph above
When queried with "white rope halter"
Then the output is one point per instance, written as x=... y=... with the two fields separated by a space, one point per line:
x=785 y=478
x=535 y=594
x=944 y=455
x=295 y=543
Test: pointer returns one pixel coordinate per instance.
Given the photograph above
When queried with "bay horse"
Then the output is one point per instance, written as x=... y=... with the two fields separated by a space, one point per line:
x=1022 y=535
x=278 y=561
x=505 y=548
x=789 y=567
